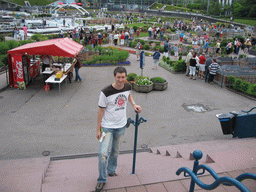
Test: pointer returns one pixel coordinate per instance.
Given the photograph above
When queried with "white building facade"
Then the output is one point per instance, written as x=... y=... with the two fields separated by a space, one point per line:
x=226 y=2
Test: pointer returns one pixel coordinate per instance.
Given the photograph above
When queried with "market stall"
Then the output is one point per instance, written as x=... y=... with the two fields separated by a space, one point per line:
x=22 y=69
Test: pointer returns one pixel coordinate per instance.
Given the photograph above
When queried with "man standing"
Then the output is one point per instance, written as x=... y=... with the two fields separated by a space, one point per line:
x=189 y=56
x=208 y=62
x=112 y=121
x=213 y=70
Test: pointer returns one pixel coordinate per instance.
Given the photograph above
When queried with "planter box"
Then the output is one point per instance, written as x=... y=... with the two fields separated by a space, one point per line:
x=142 y=88
x=160 y=86
x=252 y=52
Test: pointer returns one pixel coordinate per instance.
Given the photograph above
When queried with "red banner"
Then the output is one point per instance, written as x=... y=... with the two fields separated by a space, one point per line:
x=18 y=74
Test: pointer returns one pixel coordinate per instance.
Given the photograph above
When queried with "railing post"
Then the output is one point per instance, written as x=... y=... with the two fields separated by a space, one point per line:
x=135 y=142
x=136 y=124
x=197 y=155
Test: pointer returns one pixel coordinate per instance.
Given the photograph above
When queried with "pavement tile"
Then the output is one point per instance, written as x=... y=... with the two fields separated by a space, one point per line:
x=117 y=190
x=173 y=186
x=186 y=184
x=158 y=187
x=136 y=189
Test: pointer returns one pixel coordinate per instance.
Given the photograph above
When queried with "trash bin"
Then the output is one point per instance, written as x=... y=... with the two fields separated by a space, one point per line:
x=227 y=122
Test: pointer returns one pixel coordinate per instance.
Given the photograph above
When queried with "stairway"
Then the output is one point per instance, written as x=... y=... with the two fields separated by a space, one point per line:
x=158 y=165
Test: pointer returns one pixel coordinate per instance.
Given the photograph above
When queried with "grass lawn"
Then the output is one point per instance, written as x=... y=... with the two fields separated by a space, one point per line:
x=143 y=35
x=140 y=25
x=244 y=21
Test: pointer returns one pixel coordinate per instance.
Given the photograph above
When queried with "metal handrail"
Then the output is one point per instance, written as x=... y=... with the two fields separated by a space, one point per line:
x=228 y=181
x=249 y=110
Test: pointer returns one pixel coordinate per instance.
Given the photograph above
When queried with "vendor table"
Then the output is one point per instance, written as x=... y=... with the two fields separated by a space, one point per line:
x=47 y=72
x=51 y=79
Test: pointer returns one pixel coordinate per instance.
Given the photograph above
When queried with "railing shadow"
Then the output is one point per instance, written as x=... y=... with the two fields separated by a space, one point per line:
x=228 y=181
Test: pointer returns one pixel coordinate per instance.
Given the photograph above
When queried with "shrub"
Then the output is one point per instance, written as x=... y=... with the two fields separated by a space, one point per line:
x=168 y=58
x=254 y=89
x=164 y=58
x=147 y=47
x=179 y=66
x=161 y=49
x=135 y=28
x=231 y=80
x=157 y=80
x=171 y=62
x=3 y=48
x=11 y=44
x=131 y=76
x=172 y=52
x=142 y=80
x=238 y=83
x=244 y=86
x=180 y=57
x=2 y=38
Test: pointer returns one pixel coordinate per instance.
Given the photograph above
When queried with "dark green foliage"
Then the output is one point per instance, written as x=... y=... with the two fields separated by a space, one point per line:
x=253 y=89
x=180 y=57
x=2 y=38
x=231 y=80
x=157 y=80
x=39 y=37
x=161 y=49
x=135 y=28
x=146 y=47
x=238 y=83
x=244 y=86
x=11 y=44
x=172 y=52
x=131 y=76
x=179 y=66
x=168 y=58
x=3 y=48
x=171 y=62
x=164 y=59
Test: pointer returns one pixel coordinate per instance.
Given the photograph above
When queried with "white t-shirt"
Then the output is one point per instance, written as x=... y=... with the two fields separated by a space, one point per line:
x=114 y=101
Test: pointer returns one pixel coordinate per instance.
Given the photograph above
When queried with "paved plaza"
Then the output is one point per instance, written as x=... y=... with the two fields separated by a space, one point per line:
x=33 y=121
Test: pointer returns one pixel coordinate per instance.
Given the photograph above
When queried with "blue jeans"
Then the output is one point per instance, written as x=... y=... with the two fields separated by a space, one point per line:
x=108 y=153
x=77 y=74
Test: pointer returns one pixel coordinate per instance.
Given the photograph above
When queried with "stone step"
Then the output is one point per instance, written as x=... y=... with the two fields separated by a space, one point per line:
x=23 y=174
x=186 y=150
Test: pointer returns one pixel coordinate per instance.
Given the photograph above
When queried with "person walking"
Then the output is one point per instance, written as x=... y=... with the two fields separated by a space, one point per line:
x=156 y=57
x=192 y=67
x=138 y=48
x=206 y=46
x=218 y=47
x=189 y=56
x=111 y=122
x=208 y=62
x=213 y=70
x=78 y=65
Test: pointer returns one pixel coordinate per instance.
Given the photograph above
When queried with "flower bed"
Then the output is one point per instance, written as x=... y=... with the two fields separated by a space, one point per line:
x=106 y=64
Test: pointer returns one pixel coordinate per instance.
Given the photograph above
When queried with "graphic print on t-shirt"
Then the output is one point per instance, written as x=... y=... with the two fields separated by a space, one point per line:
x=120 y=101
